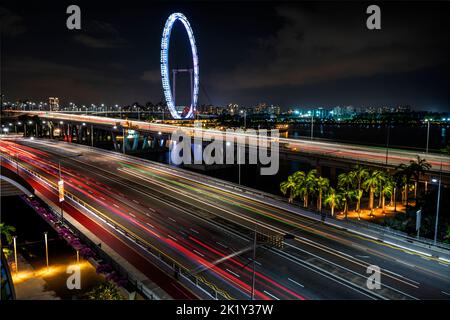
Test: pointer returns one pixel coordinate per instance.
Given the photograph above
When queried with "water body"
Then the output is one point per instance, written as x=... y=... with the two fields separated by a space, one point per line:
x=400 y=136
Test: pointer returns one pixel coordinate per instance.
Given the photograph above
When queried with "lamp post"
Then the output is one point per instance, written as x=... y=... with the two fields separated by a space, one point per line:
x=46 y=248
x=61 y=186
x=123 y=142
x=387 y=143
x=245 y=118
x=437 y=206
x=92 y=135
x=428 y=133
x=254 y=266
x=312 y=125
x=15 y=253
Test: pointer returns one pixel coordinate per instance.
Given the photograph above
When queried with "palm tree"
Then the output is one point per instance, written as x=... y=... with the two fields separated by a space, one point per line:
x=382 y=181
x=306 y=186
x=289 y=186
x=333 y=200
x=346 y=195
x=359 y=174
x=6 y=232
x=370 y=184
x=386 y=190
x=105 y=291
x=405 y=172
x=418 y=168
x=346 y=190
x=322 y=186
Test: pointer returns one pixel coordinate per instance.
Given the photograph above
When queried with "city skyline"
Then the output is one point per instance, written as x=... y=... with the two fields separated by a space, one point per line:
x=315 y=59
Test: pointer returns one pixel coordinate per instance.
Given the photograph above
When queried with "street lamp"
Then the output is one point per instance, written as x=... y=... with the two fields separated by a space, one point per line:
x=15 y=253
x=428 y=133
x=61 y=185
x=46 y=248
x=437 y=204
x=245 y=118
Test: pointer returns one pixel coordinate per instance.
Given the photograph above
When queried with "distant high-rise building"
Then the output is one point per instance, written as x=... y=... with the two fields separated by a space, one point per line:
x=233 y=108
x=53 y=103
x=403 y=109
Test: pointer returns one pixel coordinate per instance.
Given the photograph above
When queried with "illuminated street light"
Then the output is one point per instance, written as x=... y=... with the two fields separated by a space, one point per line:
x=46 y=248
x=15 y=253
x=428 y=133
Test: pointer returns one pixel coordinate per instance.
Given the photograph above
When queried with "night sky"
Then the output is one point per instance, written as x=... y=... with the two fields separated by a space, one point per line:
x=291 y=54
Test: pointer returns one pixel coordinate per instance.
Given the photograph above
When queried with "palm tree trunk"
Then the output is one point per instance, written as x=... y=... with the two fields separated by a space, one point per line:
x=358 y=203
x=320 y=200
x=395 y=200
x=383 y=203
x=379 y=199
x=415 y=190
x=371 y=199
x=332 y=210
x=345 y=209
x=406 y=194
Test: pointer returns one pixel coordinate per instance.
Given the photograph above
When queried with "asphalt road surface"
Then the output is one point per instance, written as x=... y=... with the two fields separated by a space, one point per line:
x=209 y=231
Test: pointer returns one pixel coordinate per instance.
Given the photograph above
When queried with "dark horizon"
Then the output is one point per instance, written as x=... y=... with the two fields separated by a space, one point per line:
x=296 y=55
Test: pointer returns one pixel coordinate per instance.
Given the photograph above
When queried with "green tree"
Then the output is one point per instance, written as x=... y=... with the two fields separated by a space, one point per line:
x=386 y=190
x=346 y=190
x=359 y=174
x=417 y=168
x=289 y=186
x=322 y=185
x=6 y=232
x=370 y=184
x=308 y=186
x=333 y=200
x=105 y=291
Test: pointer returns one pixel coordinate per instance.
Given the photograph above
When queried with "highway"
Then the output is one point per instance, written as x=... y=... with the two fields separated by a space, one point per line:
x=331 y=150
x=209 y=230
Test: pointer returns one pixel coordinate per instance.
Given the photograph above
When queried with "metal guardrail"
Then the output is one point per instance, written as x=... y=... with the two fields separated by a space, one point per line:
x=196 y=280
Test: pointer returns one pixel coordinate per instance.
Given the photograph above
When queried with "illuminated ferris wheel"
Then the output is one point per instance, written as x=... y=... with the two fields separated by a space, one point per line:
x=169 y=92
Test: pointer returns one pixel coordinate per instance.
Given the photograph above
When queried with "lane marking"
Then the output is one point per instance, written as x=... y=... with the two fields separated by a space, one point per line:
x=268 y=293
x=199 y=253
x=172 y=219
x=233 y=273
x=296 y=282
x=258 y=263
x=194 y=230
x=221 y=244
x=152 y=226
x=131 y=214
x=172 y=237
x=446 y=293
x=115 y=205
